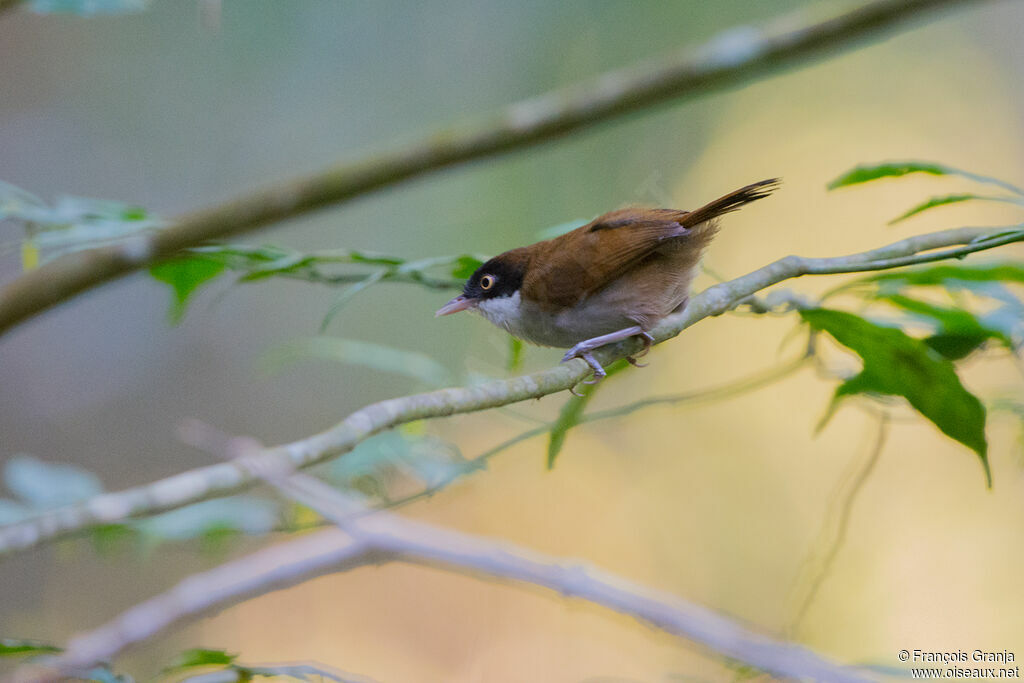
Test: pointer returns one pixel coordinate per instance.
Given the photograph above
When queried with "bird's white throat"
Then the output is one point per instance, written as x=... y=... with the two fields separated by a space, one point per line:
x=503 y=311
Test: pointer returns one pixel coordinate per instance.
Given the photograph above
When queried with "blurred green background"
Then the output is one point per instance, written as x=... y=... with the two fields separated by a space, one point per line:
x=188 y=104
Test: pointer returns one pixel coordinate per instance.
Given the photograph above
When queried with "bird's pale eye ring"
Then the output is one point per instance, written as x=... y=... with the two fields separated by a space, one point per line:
x=487 y=281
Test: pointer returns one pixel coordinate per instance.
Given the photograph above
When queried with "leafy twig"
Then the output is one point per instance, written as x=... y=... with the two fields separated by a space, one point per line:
x=227 y=478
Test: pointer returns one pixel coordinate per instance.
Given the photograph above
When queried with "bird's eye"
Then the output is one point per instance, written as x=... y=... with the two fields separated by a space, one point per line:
x=486 y=282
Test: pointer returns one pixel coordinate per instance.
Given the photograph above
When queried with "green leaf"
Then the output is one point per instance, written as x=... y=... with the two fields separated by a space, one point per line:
x=374 y=259
x=376 y=465
x=288 y=263
x=217 y=540
x=10 y=647
x=950 y=199
x=253 y=256
x=414 y=364
x=465 y=266
x=943 y=274
x=113 y=539
x=44 y=485
x=515 y=354
x=71 y=224
x=572 y=412
x=955 y=346
x=18 y=203
x=185 y=276
x=868 y=172
x=246 y=514
x=347 y=294
x=190 y=659
x=960 y=332
x=896 y=364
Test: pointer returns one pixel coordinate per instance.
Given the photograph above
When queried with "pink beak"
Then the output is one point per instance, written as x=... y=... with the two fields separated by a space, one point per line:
x=459 y=303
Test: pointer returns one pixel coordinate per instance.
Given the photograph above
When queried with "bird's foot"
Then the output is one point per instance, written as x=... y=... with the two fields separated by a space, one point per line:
x=584 y=348
x=648 y=341
x=599 y=372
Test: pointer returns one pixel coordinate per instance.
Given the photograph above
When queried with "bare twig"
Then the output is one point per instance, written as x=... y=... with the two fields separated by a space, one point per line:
x=844 y=512
x=227 y=478
x=384 y=537
x=730 y=58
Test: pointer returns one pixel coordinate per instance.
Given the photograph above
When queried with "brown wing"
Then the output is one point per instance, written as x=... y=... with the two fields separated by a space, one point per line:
x=570 y=267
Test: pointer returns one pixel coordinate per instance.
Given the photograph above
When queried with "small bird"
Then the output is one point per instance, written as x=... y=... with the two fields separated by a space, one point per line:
x=614 y=278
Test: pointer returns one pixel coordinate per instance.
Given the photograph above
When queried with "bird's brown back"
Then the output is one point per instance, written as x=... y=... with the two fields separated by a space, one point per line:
x=568 y=268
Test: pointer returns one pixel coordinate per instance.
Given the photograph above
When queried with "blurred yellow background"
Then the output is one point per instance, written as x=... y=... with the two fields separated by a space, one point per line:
x=722 y=504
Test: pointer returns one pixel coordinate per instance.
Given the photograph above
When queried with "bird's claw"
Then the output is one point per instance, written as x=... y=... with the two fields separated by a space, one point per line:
x=648 y=340
x=584 y=353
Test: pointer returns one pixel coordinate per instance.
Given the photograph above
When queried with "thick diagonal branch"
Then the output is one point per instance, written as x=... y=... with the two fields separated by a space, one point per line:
x=228 y=478
x=732 y=57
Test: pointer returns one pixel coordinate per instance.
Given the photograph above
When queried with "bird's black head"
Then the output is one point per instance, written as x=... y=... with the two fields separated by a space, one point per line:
x=501 y=276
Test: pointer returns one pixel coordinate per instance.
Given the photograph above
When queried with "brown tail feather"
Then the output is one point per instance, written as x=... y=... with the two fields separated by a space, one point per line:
x=730 y=202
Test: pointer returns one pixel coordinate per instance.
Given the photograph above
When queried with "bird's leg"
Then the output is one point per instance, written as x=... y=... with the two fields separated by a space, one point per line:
x=583 y=349
x=599 y=372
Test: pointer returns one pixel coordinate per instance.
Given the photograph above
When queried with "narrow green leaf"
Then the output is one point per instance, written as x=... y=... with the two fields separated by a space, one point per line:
x=347 y=294
x=11 y=647
x=942 y=274
x=868 y=172
x=572 y=412
x=960 y=331
x=413 y=364
x=258 y=254
x=286 y=264
x=18 y=203
x=216 y=541
x=185 y=276
x=246 y=514
x=515 y=354
x=374 y=259
x=899 y=365
x=109 y=540
x=465 y=266
x=950 y=199
x=190 y=659
x=43 y=485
